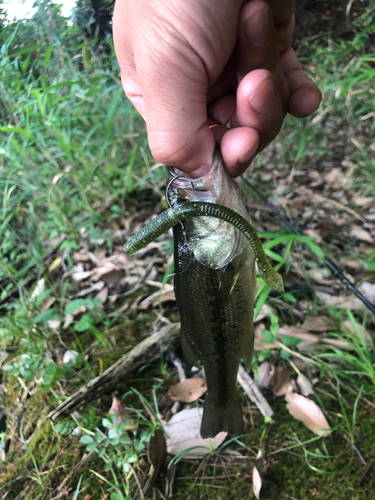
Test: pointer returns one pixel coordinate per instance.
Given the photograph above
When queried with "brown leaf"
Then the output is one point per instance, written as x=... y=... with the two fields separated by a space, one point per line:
x=157 y=453
x=308 y=340
x=81 y=275
x=81 y=257
x=307 y=412
x=183 y=431
x=365 y=203
x=281 y=381
x=113 y=277
x=361 y=234
x=169 y=480
x=257 y=480
x=318 y=324
x=317 y=276
x=106 y=268
x=69 y=318
x=352 y=264
x=330 y=300
x=118 y=408
x=356 y=330
x=100 y=253
x=93 y=288
x=156 y=297
x=189 y=390
x=102 y=295
x=304 y=387
x=259 y=342
x=167 y=297
x=313 y=234
x=369 y=290
x=265 y=374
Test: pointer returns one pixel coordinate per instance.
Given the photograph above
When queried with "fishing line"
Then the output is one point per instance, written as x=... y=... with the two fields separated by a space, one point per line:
x=339 y=274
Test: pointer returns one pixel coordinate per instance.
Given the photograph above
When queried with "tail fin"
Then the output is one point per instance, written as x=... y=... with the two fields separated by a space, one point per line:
x=218 y=417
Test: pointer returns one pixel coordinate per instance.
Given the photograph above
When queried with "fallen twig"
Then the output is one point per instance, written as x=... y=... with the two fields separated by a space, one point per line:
x=253 y=392
x=106 y=382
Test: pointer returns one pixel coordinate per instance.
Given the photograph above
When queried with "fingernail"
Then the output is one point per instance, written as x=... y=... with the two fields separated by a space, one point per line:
x=246 y=157
x=263 y=99
x=257 y=28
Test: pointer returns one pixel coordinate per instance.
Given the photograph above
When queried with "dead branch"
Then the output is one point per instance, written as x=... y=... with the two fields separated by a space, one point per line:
x=253 y=392
x=148 y=349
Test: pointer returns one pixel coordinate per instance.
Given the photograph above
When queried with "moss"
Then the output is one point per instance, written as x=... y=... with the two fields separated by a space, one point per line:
x=287 y=475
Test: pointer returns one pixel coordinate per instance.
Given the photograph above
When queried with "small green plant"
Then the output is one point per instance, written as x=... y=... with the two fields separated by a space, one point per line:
x=116 y=448
x=270 y=337
x=36 y=366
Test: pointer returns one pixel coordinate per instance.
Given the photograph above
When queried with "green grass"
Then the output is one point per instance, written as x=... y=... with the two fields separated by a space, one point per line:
x=73 y=163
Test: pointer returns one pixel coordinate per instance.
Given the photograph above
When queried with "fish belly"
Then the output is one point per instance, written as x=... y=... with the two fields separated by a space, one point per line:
x=216 y=310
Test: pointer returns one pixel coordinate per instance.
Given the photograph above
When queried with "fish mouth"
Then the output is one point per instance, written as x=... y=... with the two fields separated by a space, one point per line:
x=209 y=188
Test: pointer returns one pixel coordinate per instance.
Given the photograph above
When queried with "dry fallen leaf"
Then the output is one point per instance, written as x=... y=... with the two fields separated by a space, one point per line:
x=265 y=374
x=189 y=390
x=102 y=295
x=183 y=431
x=156 y=297
x=369 y=290
x=257 y=480
x=318 y=324
x=330 y=300
x=281 y=381
x=307 y=412
x=81 y=256
x=356 y=330
x=54 y=324
x=69 y=318
x=69 y=356
x=313 y=234
x=117 y=408
x=361 y=234
x=318 y=276
x=39 y=288
x=304 y=386
x=308 y=340
x=56 y=178
x=93 y=288
x=157 y=453
x=81 y=275
x=352 y=264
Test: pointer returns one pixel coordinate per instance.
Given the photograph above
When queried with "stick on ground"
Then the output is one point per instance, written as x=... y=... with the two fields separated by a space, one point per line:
x=253 y=392
x=148 y=349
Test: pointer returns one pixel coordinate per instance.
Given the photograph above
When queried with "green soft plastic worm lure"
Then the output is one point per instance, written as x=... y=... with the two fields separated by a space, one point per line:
x=181 y=213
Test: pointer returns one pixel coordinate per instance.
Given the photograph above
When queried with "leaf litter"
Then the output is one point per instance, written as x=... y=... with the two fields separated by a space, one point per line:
x=189 y=390
x=307 y=411
x=183 y=435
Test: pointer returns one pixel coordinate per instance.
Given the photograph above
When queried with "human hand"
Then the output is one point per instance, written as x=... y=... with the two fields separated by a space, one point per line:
x=201 y=71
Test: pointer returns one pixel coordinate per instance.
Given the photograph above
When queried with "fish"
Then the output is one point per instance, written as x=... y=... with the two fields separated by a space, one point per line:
x=214 y=283
x=215 y=299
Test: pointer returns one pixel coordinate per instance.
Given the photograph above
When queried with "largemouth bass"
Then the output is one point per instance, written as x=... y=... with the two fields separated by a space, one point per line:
x=214 y=283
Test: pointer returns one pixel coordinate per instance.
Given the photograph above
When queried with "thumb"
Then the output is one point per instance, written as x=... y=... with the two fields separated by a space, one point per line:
x=174 y=90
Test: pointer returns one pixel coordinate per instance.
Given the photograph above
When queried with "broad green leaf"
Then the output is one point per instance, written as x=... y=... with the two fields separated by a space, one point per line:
x=290 y=341
x=46 y=316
